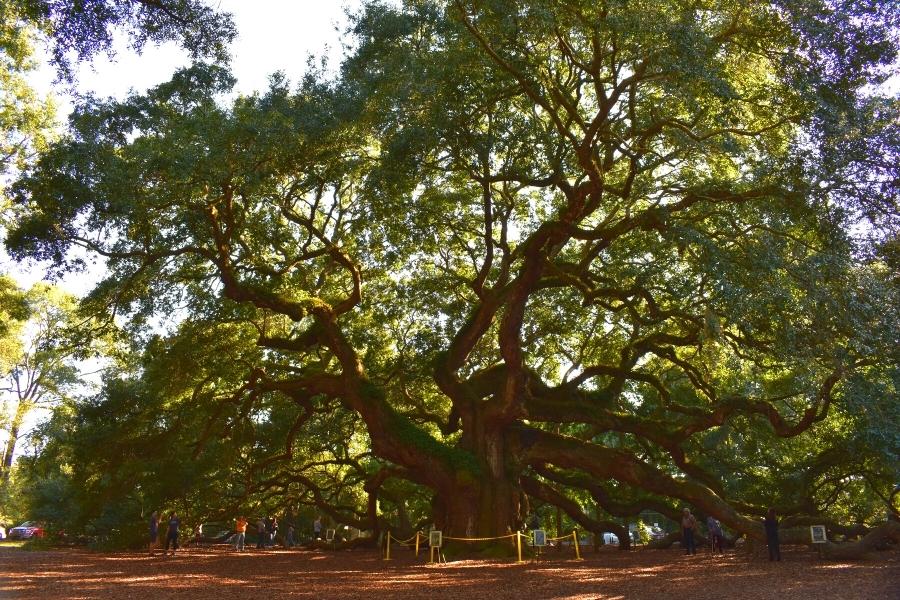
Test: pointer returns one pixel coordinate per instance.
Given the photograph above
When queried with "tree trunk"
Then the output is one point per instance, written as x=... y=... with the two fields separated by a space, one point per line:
x=484 y=500
x=14 y=428
x=485 y=503
x=6 y=466
x=489 y=509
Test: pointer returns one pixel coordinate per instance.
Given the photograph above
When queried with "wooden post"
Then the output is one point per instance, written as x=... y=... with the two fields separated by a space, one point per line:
x=388 y=555
x=417 y=544
x=519 y=544
x=577 y=549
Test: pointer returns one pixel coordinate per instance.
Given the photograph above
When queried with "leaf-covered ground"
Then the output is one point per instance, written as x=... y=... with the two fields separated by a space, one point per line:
x=276 y=574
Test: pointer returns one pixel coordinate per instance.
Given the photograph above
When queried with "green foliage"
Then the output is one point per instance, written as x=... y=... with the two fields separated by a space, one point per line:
x=79 y=30
x=25 y=119
x=13 y=315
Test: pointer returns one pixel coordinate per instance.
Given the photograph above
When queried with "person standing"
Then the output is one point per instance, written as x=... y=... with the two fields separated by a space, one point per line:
x=154 y=531
x=688 y=525
x=241 y=528
x=289 y=539
x=771 y=525
x=261 y=533
x=716 y=537
x=317 y=528
x=273 y=531
x=172 y=533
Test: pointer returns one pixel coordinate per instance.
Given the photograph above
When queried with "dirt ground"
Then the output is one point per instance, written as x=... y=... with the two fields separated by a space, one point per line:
x=275 y=574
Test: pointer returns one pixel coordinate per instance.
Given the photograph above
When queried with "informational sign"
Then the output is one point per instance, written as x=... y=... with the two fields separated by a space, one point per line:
x=329 y=535
x=539 y=536
x=434 y=539
x=817 y=534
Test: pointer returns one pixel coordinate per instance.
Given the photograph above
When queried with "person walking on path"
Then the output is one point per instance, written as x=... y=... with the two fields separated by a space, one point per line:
x=771 y=525
x=154 y=531
x=716 y=537
x=172 y=533
x=317 y=528
x=241 y=528
x=688 y=525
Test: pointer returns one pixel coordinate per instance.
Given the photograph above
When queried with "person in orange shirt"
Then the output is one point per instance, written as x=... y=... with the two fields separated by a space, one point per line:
x=241 y=528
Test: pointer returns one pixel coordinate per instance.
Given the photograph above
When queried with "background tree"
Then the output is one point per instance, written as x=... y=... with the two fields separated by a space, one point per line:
x=43 y=371
x=594 y=255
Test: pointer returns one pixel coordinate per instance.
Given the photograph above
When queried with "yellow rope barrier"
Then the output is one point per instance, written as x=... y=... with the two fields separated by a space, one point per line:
x=390 y=537
x=409 y=541
x=518 y=535
x=482 y=539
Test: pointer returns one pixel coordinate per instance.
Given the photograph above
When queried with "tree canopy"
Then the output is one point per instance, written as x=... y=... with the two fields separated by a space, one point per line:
x=604 y=256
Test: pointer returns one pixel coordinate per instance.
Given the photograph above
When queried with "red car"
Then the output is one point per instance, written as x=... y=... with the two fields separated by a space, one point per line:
x=26 y=530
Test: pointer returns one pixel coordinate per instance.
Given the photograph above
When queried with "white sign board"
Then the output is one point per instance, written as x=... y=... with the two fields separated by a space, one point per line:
x=434 y=539
x=329 y=535
x=817 y=534
x=540 y=537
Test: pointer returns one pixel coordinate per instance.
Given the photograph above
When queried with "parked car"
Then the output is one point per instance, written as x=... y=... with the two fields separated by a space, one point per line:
x=26 y=530
x=610 y=538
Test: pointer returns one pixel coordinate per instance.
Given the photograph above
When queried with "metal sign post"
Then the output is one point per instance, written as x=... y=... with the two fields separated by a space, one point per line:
x=819 y=538
x=435 y=540
x=538 y=541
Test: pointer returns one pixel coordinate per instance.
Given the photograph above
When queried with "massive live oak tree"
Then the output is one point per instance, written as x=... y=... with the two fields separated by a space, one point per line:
x=607 y=256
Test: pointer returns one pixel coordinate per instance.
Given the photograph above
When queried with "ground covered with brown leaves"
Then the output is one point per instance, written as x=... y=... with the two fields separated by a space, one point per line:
x=275 y=574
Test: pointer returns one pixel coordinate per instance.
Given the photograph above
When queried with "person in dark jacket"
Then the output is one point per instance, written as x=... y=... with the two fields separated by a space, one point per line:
x=261 y=533
x=771 y=525
x=688 y=526
x=172 y=533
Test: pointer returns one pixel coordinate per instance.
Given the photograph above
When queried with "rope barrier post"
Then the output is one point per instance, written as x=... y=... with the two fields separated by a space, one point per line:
x=519 y=544
x=577 y=548
x=388 y=556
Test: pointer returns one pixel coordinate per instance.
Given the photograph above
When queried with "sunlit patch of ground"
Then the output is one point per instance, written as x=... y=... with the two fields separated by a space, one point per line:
x=275 y=574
